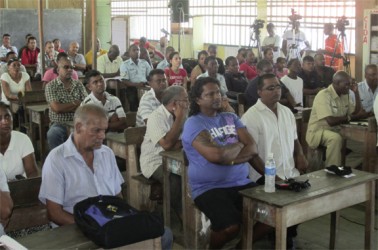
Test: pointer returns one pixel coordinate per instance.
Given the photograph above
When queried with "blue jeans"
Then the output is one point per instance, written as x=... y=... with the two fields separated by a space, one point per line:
x=56 y=135
x=167 y=239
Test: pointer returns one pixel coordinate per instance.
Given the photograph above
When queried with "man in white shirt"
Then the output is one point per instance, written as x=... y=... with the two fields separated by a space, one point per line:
x=368 y=89
x=294 y=41
x=165 y=63
x=111 y=104
x=151 y=100
x=293 y=82
x=110 y=63
x=6 y=47
x=272 y=41
x=273 y=127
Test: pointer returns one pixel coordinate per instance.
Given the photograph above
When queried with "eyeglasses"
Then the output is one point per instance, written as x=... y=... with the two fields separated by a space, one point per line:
x=68 y=67
x=272 y=88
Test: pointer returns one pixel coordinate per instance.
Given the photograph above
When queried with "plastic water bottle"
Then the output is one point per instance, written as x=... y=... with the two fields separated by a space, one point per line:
x=270 y=174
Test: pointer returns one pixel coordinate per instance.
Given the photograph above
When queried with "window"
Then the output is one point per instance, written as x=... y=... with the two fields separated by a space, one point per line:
x=314 y=15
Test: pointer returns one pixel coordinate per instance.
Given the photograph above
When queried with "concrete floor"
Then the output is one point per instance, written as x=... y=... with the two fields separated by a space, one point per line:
x=314 y=234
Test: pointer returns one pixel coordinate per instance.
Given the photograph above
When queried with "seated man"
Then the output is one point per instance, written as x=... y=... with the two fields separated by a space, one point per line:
x=163 y=132
x=332 y=107
x=235 y=80
x=293 y=82
x=52 y=73
x=211 y=65
x=4 y=67
x=212 y=50
x=165 y=63
x=325 y=73
x=134 y=72
x=109 y=64
x=50 y=57
x=63 y=95
x=29 y=55
x=92 y=168
x=6 y=203
x=77 y=59
x=368 y=89
x=311 y=83
x=6 y=47
x=218 y=147
x=265 y=67
x=151 y=100
x=269 y=122
x=111 y=104
x=99 y=52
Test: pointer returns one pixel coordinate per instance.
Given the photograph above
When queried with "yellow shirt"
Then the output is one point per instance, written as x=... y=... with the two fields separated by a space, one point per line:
x=327 y=103
x=89 y=55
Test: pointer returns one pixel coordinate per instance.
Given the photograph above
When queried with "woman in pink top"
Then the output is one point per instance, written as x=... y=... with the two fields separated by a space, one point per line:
x=175 y=75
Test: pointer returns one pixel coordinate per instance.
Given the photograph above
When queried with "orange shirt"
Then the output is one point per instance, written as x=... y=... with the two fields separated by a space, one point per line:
x=330 y=43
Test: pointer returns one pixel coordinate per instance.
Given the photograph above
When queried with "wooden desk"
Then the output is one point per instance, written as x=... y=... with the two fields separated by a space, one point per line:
x=368 y=136
x=38 y=116
x=173 y=162
x=70 y=237
x=117 y=142
x=328 y=194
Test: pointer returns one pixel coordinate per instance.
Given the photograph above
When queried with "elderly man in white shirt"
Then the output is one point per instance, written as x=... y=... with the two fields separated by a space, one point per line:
x=273 y=127
x=368 y=89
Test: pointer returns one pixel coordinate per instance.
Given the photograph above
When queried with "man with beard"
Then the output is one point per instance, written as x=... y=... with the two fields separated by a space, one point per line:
x=63 y=95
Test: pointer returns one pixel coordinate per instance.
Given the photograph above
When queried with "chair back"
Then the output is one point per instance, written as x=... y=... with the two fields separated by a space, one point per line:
x=241 y=97
x=131 y=119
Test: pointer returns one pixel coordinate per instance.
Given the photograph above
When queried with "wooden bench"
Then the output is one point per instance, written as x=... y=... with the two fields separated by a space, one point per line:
x=28 y=211
x=138 y=187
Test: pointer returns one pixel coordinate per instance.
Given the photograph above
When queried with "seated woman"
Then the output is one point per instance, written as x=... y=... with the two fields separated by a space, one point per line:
x=268 y=55
x=176 y=75
x=235 y=80
x=248 y=67
x=14 y=83
x=200 y=68
x=6 y=203
x=16 y=150
x=280 y=68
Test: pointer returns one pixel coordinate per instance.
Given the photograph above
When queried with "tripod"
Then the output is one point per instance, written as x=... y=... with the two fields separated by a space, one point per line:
x=256 y=41
x=346 y=62
x=293 y=52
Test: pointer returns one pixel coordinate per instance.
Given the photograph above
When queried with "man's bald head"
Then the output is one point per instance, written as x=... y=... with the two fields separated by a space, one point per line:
x=113 y=52
x=341 y=82
x=339 y=76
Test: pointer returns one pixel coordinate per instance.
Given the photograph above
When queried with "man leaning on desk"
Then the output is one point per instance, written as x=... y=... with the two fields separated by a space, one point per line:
x=332 y=107
x=82 y=167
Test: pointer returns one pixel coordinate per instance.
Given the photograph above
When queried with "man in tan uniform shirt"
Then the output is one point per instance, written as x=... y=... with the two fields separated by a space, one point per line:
x=332 y=107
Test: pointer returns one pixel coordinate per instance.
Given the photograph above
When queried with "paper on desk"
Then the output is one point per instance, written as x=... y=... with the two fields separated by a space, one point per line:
x=10 y=244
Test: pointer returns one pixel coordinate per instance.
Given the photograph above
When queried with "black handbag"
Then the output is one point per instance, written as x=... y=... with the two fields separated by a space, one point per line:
x=110 y=222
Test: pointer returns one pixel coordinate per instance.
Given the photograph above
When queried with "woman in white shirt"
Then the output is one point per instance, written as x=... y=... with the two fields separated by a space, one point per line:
x=6 y=203
x=14 y=83
x=16 y=150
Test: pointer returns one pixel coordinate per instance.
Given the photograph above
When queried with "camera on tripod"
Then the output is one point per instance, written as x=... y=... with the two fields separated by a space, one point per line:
x=341 y=23
x=257 y=24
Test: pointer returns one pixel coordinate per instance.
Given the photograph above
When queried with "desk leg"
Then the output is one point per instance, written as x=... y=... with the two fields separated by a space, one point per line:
x=247 y=227
x=281 y=229
x=42 y=137
x=369 y=216
x=335 y=218
x=166 y=193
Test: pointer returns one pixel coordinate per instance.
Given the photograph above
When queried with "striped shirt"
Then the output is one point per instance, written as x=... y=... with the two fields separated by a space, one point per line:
x=148 y=103
x=55 y=92
x=112 y=104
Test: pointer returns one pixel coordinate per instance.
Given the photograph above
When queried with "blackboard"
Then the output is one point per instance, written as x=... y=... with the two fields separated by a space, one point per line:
x=65 y=24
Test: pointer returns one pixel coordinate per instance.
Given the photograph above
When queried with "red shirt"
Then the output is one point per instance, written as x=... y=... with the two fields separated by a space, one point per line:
x=175 y=79
x=29 y=57
x=249 y=71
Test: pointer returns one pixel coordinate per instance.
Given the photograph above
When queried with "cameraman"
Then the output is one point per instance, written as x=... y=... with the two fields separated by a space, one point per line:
x=330 y=43
x=296 y=43
x=272 y=41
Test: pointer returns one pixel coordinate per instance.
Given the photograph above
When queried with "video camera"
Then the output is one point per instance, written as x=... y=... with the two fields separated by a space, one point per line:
x=258 y=24
x=294 y=16
x=341 y=23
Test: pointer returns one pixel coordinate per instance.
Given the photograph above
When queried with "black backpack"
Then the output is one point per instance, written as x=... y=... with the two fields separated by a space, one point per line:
x=110 y=222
